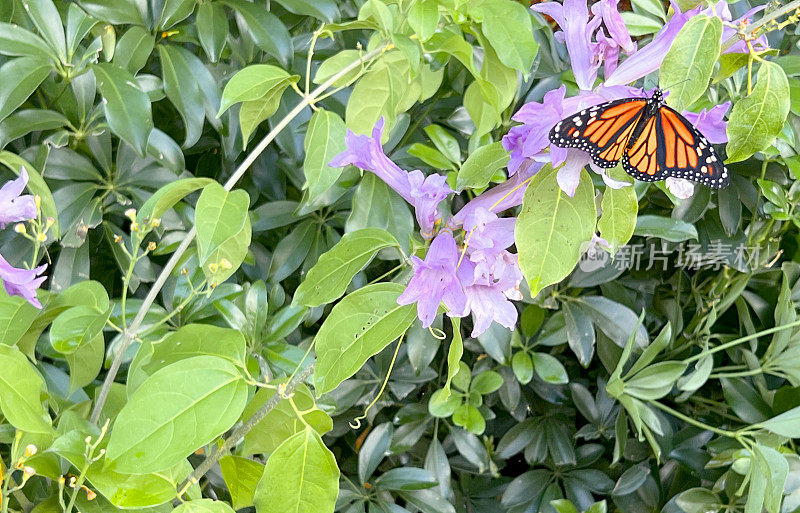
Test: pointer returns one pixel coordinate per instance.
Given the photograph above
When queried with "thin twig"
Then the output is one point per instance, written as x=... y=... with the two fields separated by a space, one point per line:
x=245 y=428
x=760 y=23
x=130 y=332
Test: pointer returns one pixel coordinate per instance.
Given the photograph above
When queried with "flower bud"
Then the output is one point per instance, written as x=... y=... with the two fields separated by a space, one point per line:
x=213 y=267
x=131 y=214
x=151 y=246
x=30 y=450
x=41 y=237
x=134 y=227
x=117 y=239
x=155 y=223
x=90 y=495
x=19 y=228
x=38 y=200
x=225 y=263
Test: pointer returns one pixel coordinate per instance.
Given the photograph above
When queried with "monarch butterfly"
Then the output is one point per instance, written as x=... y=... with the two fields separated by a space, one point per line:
x=653 y=141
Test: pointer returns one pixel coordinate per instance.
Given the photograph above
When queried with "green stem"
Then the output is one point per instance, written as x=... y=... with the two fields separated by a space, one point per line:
x=130 y=333
x=760 y=23
x=693 y=422
x=739 y=374
x=740 y=340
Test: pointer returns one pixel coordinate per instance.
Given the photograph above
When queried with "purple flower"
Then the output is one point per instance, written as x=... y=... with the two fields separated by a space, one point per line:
x=710 y=122
x=488 y=285
x=435 y=280
x=573 y=18
x=13 y=207
x=487 y=232
x=22 y=282
x=423 y=193
x=607 y=9
x=648 y=59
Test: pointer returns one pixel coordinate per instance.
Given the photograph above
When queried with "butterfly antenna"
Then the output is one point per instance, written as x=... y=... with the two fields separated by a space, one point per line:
x=673 y=85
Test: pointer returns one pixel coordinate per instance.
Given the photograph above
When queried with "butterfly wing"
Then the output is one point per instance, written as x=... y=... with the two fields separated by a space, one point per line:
x=644 y=159
x=685 y=153
x=603 y=130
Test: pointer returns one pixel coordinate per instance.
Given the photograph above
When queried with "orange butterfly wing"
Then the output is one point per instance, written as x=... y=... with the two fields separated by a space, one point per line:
x=603 y=130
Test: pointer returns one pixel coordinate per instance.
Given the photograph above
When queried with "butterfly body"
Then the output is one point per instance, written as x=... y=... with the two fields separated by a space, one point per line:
x=653 y=141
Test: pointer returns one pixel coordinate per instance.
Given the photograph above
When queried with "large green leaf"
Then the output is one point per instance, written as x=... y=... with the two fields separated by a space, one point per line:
x=212 y=28
x=77 y=327
x=16 y=316
x=552 y=227
x=507 y=25
x=203 y=506
x=385 y=90
x=223 y=229
x=15 y=41
x=127 y=107
x=20 y=387
x=688 y=65
x=45 y=16
x=241 y=476
x=118 y=12
x=254 y=82
x=177 y=410
x=618 y=220
x=301 y=476
x=325 y=10
x=182 y=90
x=28 y=73
x=324 y=140
x=359 y=326
x=267 y=31
x=331 y=275
x=481 y=165
x=756 y=120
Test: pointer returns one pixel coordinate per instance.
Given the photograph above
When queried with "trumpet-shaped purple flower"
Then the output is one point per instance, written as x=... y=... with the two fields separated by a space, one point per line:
x=488 y=285
x=608 y=11
x=435 y=280
x=710 y=122
x=423 y=193
x=15 y=207
x=487 y=232
x=649 y=58
x=22 y=282
x=573 y=18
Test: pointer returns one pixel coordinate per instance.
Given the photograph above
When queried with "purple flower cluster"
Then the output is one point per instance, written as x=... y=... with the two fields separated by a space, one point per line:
x=479 y=276
x=15 y=207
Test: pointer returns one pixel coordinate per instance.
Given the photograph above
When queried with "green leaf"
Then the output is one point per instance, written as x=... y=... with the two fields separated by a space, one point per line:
x=28 y=73
x=334 y=270
x=374 y=449
x=507 y=25
x=15 y=41
x=423 y=16
x=174 y=11
x=301 y=476
x=292 y=250
x=212 y=28
x=551 y=228
x=377 y=206
x=481 y=166
x=430 y=156
x=126 y=106
x=45 y=16
x=334 y=64
x=199 y=397
x=267 y=31
x=324 y=10
x=580 y=333
x=486 y=382
x=77 y=327
x=182 y=90
x=167 y=196
x=116 y=12
x=134 y=48
x=359 y=326
x=223 y=230
x=756 y=120
x=549 y=369
x=86 y=362
x=470 y=418
x=454 y=354
x=253 y=112
x=25 y=121
x=618 y=220
x=241 y=476
x=20 y=387
x=282 y=421
x=16 y=316
x=203 y=506
x=688 y=65
x=673 y=230
x=522 y=365
x=405 y=478
x=380 y=92
x=786 y=424
x=254 y=82
x=324 y=140
x=655 y=381
x=444 y=142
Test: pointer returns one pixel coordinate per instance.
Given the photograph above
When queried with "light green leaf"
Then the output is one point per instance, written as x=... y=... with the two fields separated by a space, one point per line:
x=423 y=16
x=253 y=83
x=380 y=92
x=200 y=398
x=77 y=327
x=167 y=196
x=16 y=316
x=673 y=230
x=481 y=165
x=223 y=230
x=334 y=64
x=324 y=140
x=15 y=41
x=618 y=220
x=445 y=142
x=549 y=368
x=331 y=275
x=507 y=25
x=756 y=120
x=454 y=354
x=174 y=11
x=688 y=65
x=551 y=228
x=301 y=476
x=377 y=206
x=134 y=48
x=20 y=387
x=359 y=326
x=127 y=107
x=655 y=381
x=203 y=506
x=241 y=476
